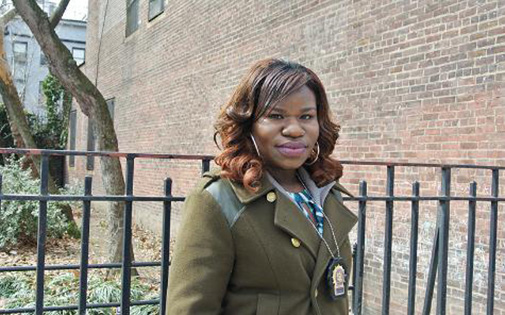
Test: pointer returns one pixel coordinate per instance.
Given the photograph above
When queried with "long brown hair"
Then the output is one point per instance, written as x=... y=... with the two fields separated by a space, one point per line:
x=266 y=83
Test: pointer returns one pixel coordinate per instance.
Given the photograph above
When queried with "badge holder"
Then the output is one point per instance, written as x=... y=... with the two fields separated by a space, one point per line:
x=336 y=277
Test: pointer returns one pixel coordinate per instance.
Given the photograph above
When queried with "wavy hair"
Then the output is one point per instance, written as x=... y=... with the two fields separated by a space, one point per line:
x=266 y=83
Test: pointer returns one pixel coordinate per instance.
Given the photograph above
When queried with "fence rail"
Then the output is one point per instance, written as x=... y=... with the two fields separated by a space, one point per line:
x=438 y=263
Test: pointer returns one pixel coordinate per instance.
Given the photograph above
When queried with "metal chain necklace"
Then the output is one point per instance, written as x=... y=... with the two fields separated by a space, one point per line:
x=327 y=220
x=336 y=272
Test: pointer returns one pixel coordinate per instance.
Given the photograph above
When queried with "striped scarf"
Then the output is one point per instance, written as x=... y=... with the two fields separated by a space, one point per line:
x=309 y=208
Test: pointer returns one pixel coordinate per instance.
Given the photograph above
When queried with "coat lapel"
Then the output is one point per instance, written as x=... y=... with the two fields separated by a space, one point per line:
x=342 y=221
x=291 y=220
x=287 y=216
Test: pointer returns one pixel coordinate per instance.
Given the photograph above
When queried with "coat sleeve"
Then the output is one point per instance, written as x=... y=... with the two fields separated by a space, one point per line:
x=203 y=259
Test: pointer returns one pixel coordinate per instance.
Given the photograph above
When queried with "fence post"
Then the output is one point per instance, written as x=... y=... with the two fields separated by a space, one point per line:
x=165 y=254
x=360 y=261
x=444 y=213
x=414 y=226
x=388 y=240
x=41 y=235
x=493 y=222
x=83 y=277
x=127 y=237
x=470 y=249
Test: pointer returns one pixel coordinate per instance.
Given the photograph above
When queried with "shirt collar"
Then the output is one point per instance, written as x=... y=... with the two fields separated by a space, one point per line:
x=266 y=185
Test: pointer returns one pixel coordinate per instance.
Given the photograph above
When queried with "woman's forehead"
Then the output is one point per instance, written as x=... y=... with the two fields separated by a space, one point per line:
x=301 y=99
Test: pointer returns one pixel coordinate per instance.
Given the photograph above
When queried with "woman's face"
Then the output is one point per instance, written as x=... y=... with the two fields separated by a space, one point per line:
x=287 y=134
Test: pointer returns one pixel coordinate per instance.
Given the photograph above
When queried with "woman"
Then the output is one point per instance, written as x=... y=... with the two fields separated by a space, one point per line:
x=267 y=232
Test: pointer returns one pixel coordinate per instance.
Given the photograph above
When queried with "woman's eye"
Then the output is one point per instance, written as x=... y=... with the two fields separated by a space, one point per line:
x=275 y=116
x=307 y=117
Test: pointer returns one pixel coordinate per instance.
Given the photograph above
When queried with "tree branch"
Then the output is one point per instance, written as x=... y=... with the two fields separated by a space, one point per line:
x=7 y=17
x=58 y=13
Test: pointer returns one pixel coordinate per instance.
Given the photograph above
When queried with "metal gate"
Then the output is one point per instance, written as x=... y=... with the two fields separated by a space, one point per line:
x=438 y=262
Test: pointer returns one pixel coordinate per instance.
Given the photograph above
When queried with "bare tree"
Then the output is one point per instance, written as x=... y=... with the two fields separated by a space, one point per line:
x=92 y=104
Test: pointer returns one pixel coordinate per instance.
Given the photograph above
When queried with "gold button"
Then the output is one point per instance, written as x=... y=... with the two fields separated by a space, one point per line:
x=296 y=242
x=271 y=196
x=316 y=293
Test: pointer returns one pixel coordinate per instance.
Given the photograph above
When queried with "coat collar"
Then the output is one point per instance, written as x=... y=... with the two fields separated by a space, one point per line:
x=245 y=196
x=290 y=219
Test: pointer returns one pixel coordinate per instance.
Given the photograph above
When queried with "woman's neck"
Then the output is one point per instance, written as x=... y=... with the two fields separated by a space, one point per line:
x=288 y=179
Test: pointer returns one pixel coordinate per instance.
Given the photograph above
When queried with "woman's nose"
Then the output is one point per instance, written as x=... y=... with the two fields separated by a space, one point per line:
x=293 y=129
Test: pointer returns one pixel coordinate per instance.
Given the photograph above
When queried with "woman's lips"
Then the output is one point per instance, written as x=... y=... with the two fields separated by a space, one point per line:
x=292 y=150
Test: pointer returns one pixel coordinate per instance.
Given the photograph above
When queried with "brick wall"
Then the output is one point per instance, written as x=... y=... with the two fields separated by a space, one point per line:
x=416 y=81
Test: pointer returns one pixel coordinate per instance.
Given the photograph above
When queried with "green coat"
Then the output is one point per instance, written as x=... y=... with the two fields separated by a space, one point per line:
x=243 y=253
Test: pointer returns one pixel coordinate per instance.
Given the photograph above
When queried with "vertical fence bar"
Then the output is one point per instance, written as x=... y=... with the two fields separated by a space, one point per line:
x=354 y=253
x=165 y=254
x=493 y=222
x=41 y=235
x=388 y=240
x=444 y=213
x=205 y=166
x=1 y=192
x=414 y=225
x=432 y=274
x=360 y=261
x=83 y=277
x=470 y=249
x=127 y=239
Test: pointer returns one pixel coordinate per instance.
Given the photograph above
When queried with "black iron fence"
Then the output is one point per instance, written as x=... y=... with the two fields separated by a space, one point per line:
x=439 y=256
x=438 y=263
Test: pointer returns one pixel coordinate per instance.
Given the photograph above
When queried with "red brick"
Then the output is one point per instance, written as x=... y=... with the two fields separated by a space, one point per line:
x=414 y=93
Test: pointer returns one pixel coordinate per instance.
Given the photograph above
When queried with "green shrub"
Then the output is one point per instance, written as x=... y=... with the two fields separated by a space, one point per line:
x=63 y=289
x=18 y=219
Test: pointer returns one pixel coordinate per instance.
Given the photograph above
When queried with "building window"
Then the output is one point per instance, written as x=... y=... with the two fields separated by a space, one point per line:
x=41 y=92
x=20 y=51
x=78 y=54
x=110 y=107
x=90 y=161
x=20 y=74
x=43 y=60
x=156 y=7
x=20 y=81
x=132 y=17
x=73 y=125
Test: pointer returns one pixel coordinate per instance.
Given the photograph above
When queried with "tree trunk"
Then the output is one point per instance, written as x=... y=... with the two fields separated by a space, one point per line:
x=15 y=112
x=92 y=104
x=20 y=129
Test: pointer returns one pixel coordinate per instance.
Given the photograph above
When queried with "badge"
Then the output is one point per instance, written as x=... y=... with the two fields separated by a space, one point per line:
x=336 y=278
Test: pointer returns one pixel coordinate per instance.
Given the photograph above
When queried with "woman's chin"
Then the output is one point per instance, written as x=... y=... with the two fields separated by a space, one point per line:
x=291 y=164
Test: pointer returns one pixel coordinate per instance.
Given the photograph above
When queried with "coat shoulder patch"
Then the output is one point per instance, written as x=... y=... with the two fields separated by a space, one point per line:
x=224 y=195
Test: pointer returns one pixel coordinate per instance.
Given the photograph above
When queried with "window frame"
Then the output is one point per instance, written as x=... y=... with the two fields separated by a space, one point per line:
x=83 y=56
x=15 y=54
x=72 y=136
x=43 y=59
x=91 y=145
x=150 y=15
x=41 y=93
x=130 y=4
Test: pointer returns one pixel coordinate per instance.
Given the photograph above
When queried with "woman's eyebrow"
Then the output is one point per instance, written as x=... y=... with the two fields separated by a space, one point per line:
x=304 y=109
